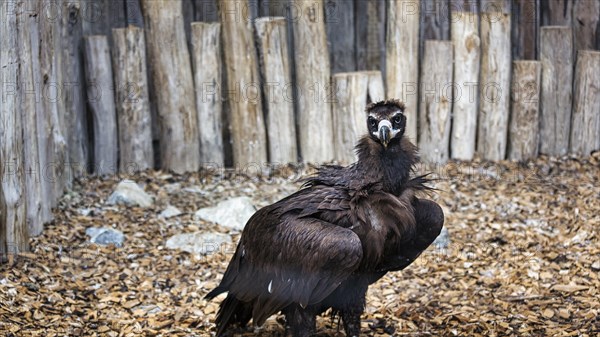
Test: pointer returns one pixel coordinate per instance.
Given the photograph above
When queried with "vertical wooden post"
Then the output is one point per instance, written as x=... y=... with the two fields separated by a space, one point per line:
x=586 y=14
x=467 y=55
x=493 y=6
x=13 y=208
x=556 y=54
x=523 y=135
x=585 y=128
x=201 y=10
x=370 y=35
x=101 y=100
x=43 y=108
x=134 y=13
x=557 y=13
x=312 y=81
x=102 y=16
x=436 y=101
x=276 y=76
x=525 y=21
x=376 y=90
x=494 y=89
x=132 y=101
x=340 y=24
x=246 y=121
x=206 y=59
x=402 y=58
x=28 y=96
x=435 y=22
x=349 y=119
x=172 y=76
x=70 y=75
x=58 y=72
x=206 y=10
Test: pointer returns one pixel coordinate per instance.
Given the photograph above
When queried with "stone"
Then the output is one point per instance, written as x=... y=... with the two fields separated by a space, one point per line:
x=200 y=242
x=130 y=194
x=172 y=188
x=170 y=212
x=105 y=236
x=232 y=213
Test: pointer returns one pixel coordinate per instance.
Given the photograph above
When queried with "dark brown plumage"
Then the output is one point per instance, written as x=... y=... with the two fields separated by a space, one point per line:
x=322 y=246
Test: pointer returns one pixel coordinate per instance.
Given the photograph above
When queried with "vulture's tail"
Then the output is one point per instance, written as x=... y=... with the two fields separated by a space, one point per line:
x=232 y=311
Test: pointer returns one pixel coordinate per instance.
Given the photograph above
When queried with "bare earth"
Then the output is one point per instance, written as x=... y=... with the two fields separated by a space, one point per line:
x=523 y=259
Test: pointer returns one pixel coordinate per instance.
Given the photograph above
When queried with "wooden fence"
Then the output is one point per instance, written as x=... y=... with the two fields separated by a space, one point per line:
x=112 y=86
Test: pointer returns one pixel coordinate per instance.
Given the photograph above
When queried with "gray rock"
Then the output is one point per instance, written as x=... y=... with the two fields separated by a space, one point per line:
x=443 y=240
x=105 y=236
x=130 y=194
x=232 y=213
x=172 y=188
x=170 y=212
x=199 y=242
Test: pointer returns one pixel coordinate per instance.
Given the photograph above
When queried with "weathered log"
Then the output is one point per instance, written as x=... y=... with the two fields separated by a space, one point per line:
x=204 y=11
x=276 y=77
x=246 y=119
x=348 y=113
x=402 y=58
x=273 y=7
x=101 y=100
x=100 y=16
x=435 y=22
x=436 y=101
x=206 y=59
x=495 y=6
x=585 y=127
x=463 y=6
x=172 y=76
x=61 y=94
x=494 y=91
x=13 y=208
x=523 y=135
x=467 y=54
x=370 y=35
x=28 y=95
x=376 y=90
x=132 y=101
x=340 y=24
x=556 y=54
x=70 y=75
x=586 y=14
x=134 y=14
x=525 y=22
x=313 y=82
x=556 y=12
x=42 y=136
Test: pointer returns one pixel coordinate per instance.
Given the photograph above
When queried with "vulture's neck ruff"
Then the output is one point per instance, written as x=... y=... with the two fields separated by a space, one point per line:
x=391 y=165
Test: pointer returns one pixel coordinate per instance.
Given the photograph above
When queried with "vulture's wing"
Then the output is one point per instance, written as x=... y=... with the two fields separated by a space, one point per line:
x=289 y=254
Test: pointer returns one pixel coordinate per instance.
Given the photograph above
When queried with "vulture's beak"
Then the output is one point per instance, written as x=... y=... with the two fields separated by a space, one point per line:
x=384 y=132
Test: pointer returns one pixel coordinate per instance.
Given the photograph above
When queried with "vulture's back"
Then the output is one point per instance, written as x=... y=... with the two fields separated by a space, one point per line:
x=300 y=249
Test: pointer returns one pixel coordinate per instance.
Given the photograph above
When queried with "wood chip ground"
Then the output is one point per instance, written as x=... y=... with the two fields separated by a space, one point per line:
x=524 y=259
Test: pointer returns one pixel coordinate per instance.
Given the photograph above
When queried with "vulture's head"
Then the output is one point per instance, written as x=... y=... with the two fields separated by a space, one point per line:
x=386 y=121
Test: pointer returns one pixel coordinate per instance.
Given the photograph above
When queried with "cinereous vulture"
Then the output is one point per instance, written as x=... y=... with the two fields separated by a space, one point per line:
x=322 y=246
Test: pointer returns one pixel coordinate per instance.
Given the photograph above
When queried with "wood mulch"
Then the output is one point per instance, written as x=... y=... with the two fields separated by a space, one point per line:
x=524 y=259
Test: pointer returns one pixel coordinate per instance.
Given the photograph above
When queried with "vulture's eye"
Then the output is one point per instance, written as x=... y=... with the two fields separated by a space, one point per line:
x=372 y=122
x=396 y=120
